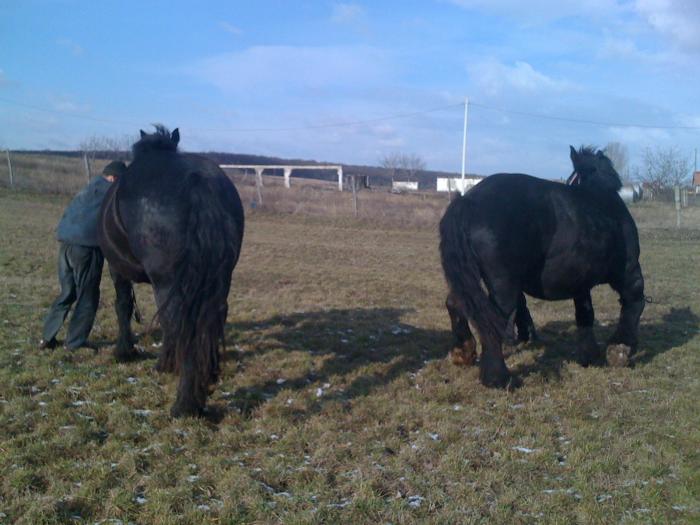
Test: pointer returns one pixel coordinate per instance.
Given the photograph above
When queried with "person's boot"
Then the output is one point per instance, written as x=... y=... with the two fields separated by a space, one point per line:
x=48 y=345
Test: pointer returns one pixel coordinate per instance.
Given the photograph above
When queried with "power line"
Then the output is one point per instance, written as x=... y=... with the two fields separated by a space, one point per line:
x=65 y=113
x=355 y=122
x=351 y=123
x=270 y=129
x=579 y=120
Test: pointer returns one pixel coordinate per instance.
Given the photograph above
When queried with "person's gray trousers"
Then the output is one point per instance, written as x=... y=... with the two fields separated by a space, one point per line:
x=79 y=273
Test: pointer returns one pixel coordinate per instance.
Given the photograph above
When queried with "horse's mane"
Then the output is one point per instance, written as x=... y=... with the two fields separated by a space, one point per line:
x=595 y=169
x=161 y=140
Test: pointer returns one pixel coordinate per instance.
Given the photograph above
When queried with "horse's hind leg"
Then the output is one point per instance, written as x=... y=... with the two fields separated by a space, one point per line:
x=463 y=351
x=587 y=350
x=124 y=349
x=623 y=343
x=188 y=351
x=166 y=358
x=493 y=369
x=191 y=391
x=524 y=322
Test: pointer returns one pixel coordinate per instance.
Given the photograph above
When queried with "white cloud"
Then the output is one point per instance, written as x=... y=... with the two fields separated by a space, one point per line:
x=678 y=20
x=230 y=28
x=347 y=13
x=690 y=121
x=639 y=136
x=288 y=69
x=495 y=77
x=71 y=46
x=628 y=50
x=66 y=105
x=545 y=10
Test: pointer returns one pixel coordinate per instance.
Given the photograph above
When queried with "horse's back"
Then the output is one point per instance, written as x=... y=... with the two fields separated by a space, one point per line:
x=156 y=196
x=553 y=239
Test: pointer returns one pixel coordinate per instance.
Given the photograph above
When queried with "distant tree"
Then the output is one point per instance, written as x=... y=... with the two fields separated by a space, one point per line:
x=117 y=148
x=411 y=164
x=663 y=168
x=619 y=155
x=114 y=148
x=392 y=163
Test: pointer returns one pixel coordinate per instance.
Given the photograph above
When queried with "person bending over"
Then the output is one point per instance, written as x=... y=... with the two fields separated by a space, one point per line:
x=80 y=262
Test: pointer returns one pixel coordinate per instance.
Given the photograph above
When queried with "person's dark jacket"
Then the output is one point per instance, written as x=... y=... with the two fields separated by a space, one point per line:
x=79 y=222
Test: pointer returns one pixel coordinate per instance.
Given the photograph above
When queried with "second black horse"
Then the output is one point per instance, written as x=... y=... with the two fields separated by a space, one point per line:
x=514 y=234
x=175 y=221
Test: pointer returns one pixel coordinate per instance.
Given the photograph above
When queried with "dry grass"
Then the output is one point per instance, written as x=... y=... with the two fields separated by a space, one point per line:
x=47 y=173
x=307 y=197
x=337 y=404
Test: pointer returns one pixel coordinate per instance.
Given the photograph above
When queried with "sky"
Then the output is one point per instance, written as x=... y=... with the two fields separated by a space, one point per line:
x=353 y=81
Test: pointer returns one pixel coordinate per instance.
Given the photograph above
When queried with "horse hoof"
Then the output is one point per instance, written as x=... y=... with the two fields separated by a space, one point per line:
x=589 y=356
x=619 y=355
x=186 y=410
x=464 y=355
x=126 y=357
x=498 y=380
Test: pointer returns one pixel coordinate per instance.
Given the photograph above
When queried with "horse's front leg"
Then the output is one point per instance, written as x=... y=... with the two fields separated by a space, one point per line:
x=463 y=351
x=124 y=305
x=623 y=343
x=587 y=349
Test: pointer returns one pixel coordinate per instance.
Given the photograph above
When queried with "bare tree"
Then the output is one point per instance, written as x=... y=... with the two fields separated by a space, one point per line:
x=411 y=164
x=115 y=148
x=664 y=168
x=112 y=147
x=391 y=162
x=619 y=155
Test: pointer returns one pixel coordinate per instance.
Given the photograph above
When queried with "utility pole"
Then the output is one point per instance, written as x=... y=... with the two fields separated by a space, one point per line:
x=464 y=142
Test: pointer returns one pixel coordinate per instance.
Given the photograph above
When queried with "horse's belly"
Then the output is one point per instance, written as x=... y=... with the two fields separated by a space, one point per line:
x=564 y=279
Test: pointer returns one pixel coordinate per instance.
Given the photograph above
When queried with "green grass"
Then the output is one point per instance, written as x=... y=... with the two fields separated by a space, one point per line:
x=337 y=404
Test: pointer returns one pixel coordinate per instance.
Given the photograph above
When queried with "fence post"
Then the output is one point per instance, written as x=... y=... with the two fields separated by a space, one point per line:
x=87 y=166
x=354 y=194
x=259 y=184
x=677 y=198
x=9 y=166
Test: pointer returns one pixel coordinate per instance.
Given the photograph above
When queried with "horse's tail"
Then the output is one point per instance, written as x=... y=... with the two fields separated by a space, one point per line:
x=212 y=242
x=463 y=275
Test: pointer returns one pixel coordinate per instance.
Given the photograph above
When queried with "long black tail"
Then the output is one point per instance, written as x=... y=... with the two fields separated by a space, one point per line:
x=463 y=274
x=203 y=277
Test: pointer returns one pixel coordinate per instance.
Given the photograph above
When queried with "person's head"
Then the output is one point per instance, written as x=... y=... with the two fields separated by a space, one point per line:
x=114 y=170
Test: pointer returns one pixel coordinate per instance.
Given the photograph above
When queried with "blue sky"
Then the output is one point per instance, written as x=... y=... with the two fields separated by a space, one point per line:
x=320 y=79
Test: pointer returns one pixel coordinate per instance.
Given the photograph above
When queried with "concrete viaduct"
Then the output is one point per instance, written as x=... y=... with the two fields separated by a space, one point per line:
x=259 y=168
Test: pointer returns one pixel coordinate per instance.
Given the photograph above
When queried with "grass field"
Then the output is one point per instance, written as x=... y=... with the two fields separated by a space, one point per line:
x=337 y=403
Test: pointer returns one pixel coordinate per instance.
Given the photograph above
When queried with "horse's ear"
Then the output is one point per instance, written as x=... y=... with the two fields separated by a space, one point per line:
x=143 y=133
x=573 y=154
x=175 y=135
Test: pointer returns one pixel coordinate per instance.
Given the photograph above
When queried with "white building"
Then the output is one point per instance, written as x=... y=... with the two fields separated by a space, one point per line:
x=455 y=183
x=404 y=185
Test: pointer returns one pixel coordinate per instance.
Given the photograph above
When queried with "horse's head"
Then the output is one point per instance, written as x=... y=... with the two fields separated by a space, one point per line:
x=161 y=140
x=593 y=169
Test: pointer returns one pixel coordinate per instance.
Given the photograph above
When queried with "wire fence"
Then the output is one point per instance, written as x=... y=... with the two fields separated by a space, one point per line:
x=66 y=175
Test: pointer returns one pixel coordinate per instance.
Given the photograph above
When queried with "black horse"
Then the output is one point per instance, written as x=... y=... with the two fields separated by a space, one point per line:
x=514 y=233
x=176 y=221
